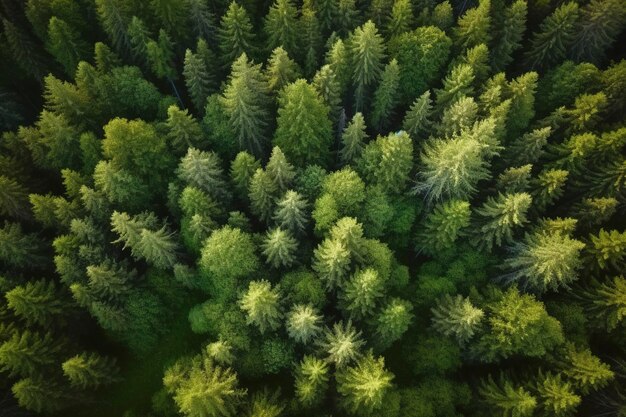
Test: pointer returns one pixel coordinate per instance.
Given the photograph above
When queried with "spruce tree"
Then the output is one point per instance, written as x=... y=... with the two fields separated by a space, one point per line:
x=279 y=248
x=507 y=399
x=291 y=212
x=342 y=343
x=393 y=321
x=235 y=34
x=606 y=301
x=204 y=170
x=310 y=36
x=261 y=303
x=498 y=217
x=586 y=371
x=417 y=118
x=353 y=139
x=608 y=249
x=41 y=395
x=184 y=130
x=457 y=317
x=13 y=198
x=474 y=26
x=245 y=99
x=37 y=302
x=281 y=27
x=458 y=116
x=456 y=85
x=386 y=96
x=361 y=292
x=443 y=226
x=242 y=168
x=557 y=396
x=90 y=370
x=367 y=51
x=338 y=59
x=401 y=18
x=110 y=280
x=280 y=170
x=18 y=249
x=198 y=80
x=201 y=19
x=311 y=380
x=66 y=45
x=138 y=37
x=548 y=187
x=262 y=194
x=510 y=37
x=115 y=17
x=281 y=70
x=26 y=353
x=346 y=17
x=326 y=83
x=331 y=262
x=303 y=323
x=158 y=247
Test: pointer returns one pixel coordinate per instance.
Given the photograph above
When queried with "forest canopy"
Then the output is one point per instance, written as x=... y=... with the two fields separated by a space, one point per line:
x=391 y=208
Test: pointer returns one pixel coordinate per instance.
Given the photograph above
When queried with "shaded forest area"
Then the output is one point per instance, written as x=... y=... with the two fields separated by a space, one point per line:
x=391 y=208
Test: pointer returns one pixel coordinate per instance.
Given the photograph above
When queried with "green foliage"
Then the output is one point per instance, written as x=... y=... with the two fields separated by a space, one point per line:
x=261 y=303
x=279 y=247
x=386 y=95
x=342 y=343
x=235 y=34
x=457 y=317
x=311 y=380
x=291 y=212
x=90 y=370
x=557 y=396
x=37 y=302
x=393 y=321
x=508 y=399
x=303 y=323
x=474 y=26
x=281 y=70
x=367 y=51
x=498 y=217
x=281 y=26
x=362 y=292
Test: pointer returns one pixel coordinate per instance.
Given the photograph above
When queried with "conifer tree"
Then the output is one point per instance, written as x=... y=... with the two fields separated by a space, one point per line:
x=291 y=212
x=280 y=170
x=401 y=18
x=37 y=302
x=261 y=303
x=115 y=17
x=557 y=396
x=457 y=317
x=386 y=95
x=393 y=321
x=235 y=34
x=158 y=247
x=342 y=343
x=138 y=37
x=245 y=100
x=353 y=139
x=24 y=50
x=361 y=293
x=66 y=44
x=608 y=249
x=367 y=51
x=474 y=26
x=18 y=249
x=109 y=280
x=40 y=395
x=311 y=36
x=346 y=17
x=303 y=323
x=417 y=118
x=262 y=194
x=545 y=261
x=304 y=131
x=530 y=147
x=456 y=85
x=242 y=168
x=184 y=130
x=90 y=370
x=443 y=226
x=458 y=116
x=364 y=385
x=13 y=198
x=507 y=398
x=586 y=371
x=607 y=301
x=204 y=170
x=348 y=231
x=198 y=79
x=220 y=352
x=26 y=353
x=339 y=61
x=201 y=19
x=498 y=217
x=388 y=161
x=510 y=37
x=443 y=16
x=311 y=380
x=326 y=84
x=548 y=187
x=595 y=211
x=281 y=70
x=279 y=247
x=331 y=262
x=160 y=56
x=281 y=27
x=555 y=35
x=171 y=15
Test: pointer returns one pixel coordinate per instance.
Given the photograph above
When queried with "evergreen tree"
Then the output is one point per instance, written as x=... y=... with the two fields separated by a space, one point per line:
x=498 y=217
x=40 y=395
x=529 y=148
x=220 y=352
x=242 y=168
x=26 y=353
x=457 y=317
x=115 y=16
x=18 y=249
x=198 y=79
x=456 y=85
x=66 y=45
x=235 y=34
x=401 y=18
x=13 y=198
x=331 y=262
x=507 y=399
x=311 y=36
x=38 y=302
x=280 y=170
x=349 y=232
x=90 y=370
x=608 y=249
x=353 y=139
x=607 y=301
x=386 y=95
x=393 y=321
x=110 y=280
x=138 y=37
x=184 y=130
x=304 y=131
x=281 y=70
x=201 y=19
x=585 y=370
x=364 y=385
x=261 y=303
x=262 y=195
x=342 y=343
x=338 y=60
x=291 y=212
x=346 y=17
x=549 y=187
x=24 y=50
x=556 y=33
x=367 y=51
x=326 y=83
x=281 y=26
x=557 y=396
x=279 y=247
x=160 y=56
x=245 y=100
x=474 y=26
x=303 y=323
x=158 y=247
x=510 y=37
x=443 y=16
x=388 y=161
x=204 y=171
x=443 y=226
x=311 y=380
x=416 y=120
x=458 y=116
x=361 y=293
x=515 y=179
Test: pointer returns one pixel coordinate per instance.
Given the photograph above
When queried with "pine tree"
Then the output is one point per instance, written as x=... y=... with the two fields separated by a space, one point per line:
x=548 y=187
x=220 y=352
x=281 y=70
x=586 y=371
x=331 y=262
x=474 y=26
x=600 y=23
x=416 y=120
x=38 y=302
x=608 y=249
x=364 y=385
x=202 y=20
x=327 y=86
x=587 y=112
x=555 y=35
x=353 y=139
x=242 y=168
x=346 y=17
x=198 y=79
x=595 y=211
x=386 y=96
x=529 y=148
x=18 y=249
x=367 y=51
x=311 y=380
x=545 y=261
x=458 y=116
x=90 y=370
x=245 y=101
x=498 y=217
x=158 y=247
x=514 y=179
x=13 y=198
x=443 y=16
x=607 y=301
x=393 y=321
x=279 y=247
x=557 y=396
x=291 y=212
x=304 y=131
x=281 y=27
x=349 y=232
x=66 y=45
x=401 y=18
x=510 y=37
x=342 y=343
x=203 y=170
x=339 y=61
x=110 y=280
x=443 y=226
x=361 y=292
x=184 y=130
x=235 y=34
x=507 y=399
x=388 y=161
x=261 y=303
x=262 y=194
x=26 y=353
x=457 y=317
x=456 y=85
x=310 y=36
x=40 y=395
x=303 y=323
x=280 y=170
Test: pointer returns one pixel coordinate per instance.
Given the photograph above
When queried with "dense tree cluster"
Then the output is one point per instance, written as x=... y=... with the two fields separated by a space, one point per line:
x=312 y=208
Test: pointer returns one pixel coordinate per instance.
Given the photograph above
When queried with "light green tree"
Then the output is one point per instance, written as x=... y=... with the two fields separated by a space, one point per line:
x=507 y=399
x=361 y=293
x=557 y=396
x=474 y=26
x=303 y=323
x=353 y=139
x=261 y=303
x=331 y=262
x=386 y=96
x=281 y=26
x=367 y=50
x=291 y=212
x=311 y=380
x=280 y=170
x=393 y=321
x=458 y=317
x=417 y=118
x=90 y=370
x=443 y=226
x=498 y=217
x=235 y=34
x=281 y=70
x=342 y=343
x=279 y=248
x=37 y=302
